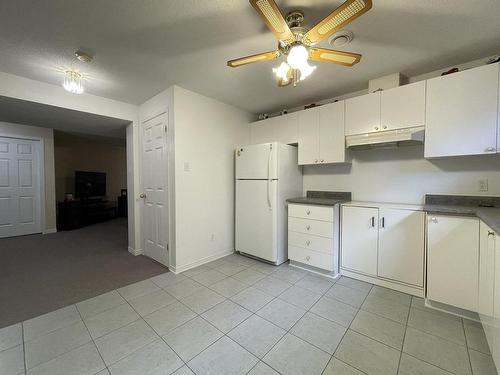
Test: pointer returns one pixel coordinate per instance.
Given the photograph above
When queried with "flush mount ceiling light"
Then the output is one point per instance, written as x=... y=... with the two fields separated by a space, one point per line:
x=73 y=82
x=296 y=41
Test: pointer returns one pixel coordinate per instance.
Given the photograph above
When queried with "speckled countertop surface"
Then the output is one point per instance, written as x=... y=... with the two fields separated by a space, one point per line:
x=322 y=198
x=466 y=206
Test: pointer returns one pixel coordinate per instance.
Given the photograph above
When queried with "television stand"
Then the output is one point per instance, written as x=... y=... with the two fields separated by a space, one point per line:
x=82 y=212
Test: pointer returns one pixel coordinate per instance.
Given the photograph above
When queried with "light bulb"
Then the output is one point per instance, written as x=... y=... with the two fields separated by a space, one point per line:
x=297 y=56
x=282 y=71
x=306 y=70
x=73 y=82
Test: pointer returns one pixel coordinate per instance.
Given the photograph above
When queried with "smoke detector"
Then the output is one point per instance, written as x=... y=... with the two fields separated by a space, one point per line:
x=341 y=38
x=84 y=56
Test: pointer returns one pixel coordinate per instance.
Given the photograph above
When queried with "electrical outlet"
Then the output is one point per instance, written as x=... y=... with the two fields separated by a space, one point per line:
x=483 y=185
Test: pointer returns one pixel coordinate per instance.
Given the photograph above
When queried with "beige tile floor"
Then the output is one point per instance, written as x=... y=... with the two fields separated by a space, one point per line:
x=239 y=316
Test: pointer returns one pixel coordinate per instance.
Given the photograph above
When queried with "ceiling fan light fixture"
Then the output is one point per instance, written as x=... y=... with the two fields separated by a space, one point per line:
x=73 y=82
x=282 y=72
x=297 y=57
x=306 y=70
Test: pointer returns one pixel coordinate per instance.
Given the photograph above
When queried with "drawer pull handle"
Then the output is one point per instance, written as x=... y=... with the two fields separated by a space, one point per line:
x=308 y=242
x=308 y=212
x=490 y=233
x=434 y=220
x=308 y=227
x=308 y=258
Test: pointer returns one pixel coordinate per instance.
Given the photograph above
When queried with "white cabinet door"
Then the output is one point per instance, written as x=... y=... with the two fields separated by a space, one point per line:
x=401 y=246
x=362 y=114
x=486 y=270
x=461 y=113
x=360 y=239
x=332 y=133
x=453 y=260
x=286 y=128
x=495 y=332
x=498 y=120
x=309 y=136
x=403 y=107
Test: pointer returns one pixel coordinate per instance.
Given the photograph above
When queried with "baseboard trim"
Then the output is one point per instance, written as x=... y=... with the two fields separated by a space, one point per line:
x=201 y=262
x=49 y=230
x=134 y=252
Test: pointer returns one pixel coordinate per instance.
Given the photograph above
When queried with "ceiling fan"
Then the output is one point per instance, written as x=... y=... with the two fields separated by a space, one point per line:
x=297 y=42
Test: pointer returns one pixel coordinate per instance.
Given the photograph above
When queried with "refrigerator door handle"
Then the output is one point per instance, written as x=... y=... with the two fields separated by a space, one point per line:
x=269 y=177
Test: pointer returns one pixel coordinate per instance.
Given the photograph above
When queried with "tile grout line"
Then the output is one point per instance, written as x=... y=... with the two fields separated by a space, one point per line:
x=345 y=333
x=466 y=345
x=404 y=336
x=93 y=341
x=24 y=349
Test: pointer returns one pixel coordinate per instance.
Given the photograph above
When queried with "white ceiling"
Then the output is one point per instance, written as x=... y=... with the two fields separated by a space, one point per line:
x=144 y=46
x=46 y=116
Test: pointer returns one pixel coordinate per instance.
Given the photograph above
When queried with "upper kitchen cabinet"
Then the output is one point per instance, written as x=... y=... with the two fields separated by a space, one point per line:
x=398 y=108
x=403 y=107
x=321 y=135
x=283 y=129
x=362 y=114
x=462 y=113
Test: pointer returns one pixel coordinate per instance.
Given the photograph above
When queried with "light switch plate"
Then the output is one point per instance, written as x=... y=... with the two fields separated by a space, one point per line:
x=187 y=167
x=483 y=185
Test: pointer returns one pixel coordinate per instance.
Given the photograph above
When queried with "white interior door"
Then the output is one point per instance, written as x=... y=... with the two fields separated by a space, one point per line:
x=256 y=219
x=20 y=211
x=155 y=188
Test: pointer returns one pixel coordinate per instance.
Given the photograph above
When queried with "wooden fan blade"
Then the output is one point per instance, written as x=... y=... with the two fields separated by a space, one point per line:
x=273 y=18
x=265 y=56
x=333 y=56
x=343 y=15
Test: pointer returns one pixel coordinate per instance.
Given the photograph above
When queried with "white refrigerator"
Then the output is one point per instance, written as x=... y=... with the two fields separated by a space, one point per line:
x=266 y=176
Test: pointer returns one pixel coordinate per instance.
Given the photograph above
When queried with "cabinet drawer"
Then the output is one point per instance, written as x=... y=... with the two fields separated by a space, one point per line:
x=315 y=227
x=313 y=258
x=311 y=212
x=307 y=241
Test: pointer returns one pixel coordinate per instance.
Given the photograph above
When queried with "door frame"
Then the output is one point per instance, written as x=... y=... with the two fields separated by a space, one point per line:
x=41 y=173
x=168 y=179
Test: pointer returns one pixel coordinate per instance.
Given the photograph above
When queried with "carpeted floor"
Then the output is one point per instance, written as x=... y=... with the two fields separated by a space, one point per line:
x=41 y=273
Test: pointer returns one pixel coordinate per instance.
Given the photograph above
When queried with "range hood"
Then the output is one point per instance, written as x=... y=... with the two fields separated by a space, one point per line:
x=387 y=138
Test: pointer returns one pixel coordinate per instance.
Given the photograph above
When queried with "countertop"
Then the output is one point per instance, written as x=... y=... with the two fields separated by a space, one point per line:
x=316 y=201
x=322 y=198
x=490 y=216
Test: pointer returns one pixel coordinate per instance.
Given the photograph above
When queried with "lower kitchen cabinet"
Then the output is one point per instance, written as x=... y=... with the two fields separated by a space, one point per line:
x=486 y=296
x=401 y=245
x=453 y=260
x=312 y=238
x=359 y=239
x=384 y=243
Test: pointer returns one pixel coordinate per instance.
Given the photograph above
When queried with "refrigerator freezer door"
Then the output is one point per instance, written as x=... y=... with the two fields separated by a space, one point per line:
x=256 y=220
x=257 y=162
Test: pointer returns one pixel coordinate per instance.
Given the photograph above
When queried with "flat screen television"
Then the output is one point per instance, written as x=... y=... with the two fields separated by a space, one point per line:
x=90 y=184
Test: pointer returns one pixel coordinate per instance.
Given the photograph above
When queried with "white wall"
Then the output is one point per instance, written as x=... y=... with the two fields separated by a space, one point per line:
x=206 y=134
x=402 y=175
x=17 y=130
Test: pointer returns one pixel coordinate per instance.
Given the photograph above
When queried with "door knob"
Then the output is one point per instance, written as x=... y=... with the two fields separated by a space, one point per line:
x=308 y=258
x=490 y=149
x=308 y=227
x=308 y=242
x=385 y=126
x=308 y=212
x=376 y=128
x=143 y=195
